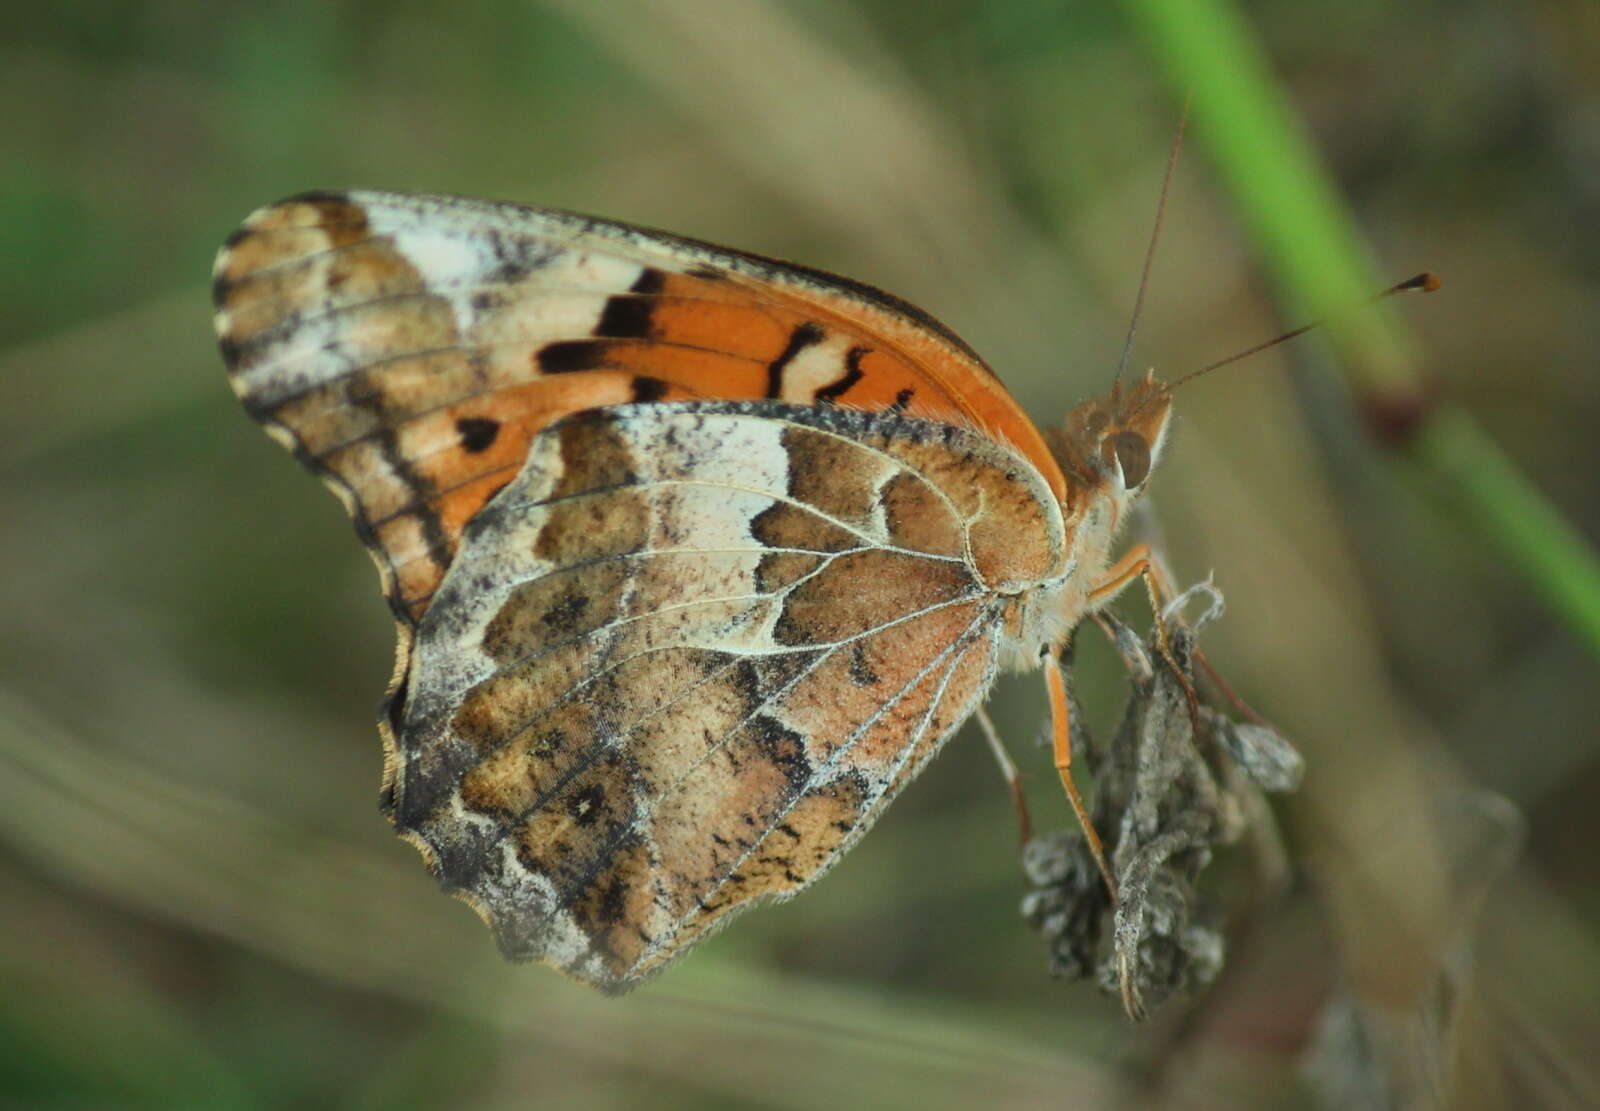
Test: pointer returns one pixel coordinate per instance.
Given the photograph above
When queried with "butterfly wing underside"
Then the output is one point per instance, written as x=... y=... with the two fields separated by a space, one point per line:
x=407 y=349
x=683 y=661
x=662 y=654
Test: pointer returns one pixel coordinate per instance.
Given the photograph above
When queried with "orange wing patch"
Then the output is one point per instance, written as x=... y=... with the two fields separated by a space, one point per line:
x=408 y=349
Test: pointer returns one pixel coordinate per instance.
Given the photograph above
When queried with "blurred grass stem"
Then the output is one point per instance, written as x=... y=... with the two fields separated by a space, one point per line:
x=1311 y=244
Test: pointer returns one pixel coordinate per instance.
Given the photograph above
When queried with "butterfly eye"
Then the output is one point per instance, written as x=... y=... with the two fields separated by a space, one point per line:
x=1133 y=456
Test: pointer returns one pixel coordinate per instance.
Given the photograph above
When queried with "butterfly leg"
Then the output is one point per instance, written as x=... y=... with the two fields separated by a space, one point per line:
x=1139 y=562
x=1061 y=736
x=1008 y=768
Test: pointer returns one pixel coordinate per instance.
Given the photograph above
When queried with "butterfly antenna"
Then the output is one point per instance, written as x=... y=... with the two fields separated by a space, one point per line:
x=1422 y=283
x=1155 y=236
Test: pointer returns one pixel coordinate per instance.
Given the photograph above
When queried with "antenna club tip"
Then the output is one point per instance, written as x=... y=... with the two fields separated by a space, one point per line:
x=1426 y=282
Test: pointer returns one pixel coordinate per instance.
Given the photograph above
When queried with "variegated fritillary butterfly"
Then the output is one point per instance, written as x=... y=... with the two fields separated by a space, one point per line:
x=697 y=557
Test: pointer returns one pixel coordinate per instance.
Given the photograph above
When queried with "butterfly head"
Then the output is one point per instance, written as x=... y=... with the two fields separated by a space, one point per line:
x=1109 y=445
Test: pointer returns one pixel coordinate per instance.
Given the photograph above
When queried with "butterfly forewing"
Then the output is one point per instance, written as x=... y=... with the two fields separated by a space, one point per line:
x=409 y=348
x=681 y=662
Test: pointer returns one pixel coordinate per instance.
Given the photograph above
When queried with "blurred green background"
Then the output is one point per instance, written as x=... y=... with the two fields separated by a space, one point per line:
x=200 y=904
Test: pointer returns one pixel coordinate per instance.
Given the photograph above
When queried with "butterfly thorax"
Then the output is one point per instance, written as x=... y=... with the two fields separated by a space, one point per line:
x=1107 y=448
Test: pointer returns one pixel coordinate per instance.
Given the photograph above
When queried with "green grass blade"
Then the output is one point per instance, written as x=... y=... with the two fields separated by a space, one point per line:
x=1315 y=253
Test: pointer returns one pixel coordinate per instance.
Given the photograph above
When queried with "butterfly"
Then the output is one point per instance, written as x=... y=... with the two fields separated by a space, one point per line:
x=696 y=557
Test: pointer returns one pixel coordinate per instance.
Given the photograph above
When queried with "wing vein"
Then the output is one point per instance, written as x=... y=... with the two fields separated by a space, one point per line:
x=594 y=678
x=947 y=659
x=647 y=808
x=596 y=751
x=655 y=483
x=899 y=464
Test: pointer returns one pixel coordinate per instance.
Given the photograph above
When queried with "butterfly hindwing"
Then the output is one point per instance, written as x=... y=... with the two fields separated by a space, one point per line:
x=675 y=669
